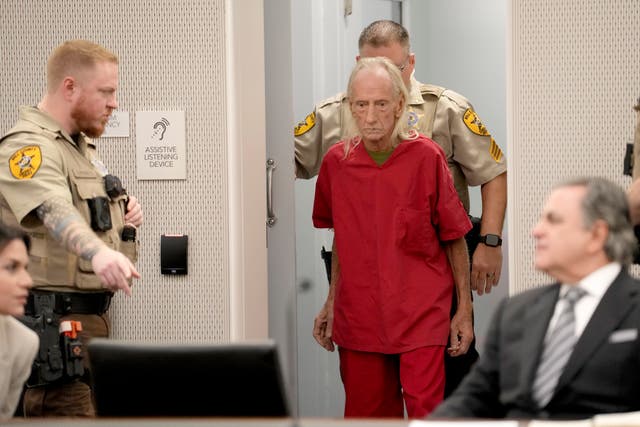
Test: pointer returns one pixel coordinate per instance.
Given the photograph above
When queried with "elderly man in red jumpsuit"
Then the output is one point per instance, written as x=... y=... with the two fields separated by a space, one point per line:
x=398 y=252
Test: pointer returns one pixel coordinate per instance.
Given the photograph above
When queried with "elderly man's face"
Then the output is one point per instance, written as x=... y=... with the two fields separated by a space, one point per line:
x=562 y=241
x=375 y=107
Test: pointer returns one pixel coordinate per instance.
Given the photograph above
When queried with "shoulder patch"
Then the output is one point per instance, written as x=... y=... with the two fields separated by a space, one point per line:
x=495 y=151
x=305 y=125
x=474 y=124
x=25 y=162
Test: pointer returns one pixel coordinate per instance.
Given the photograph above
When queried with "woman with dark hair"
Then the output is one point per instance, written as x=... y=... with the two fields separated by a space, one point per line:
x=18 y=344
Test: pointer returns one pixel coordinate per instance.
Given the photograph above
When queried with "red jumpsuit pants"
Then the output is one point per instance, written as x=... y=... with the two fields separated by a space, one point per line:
x=378 y=385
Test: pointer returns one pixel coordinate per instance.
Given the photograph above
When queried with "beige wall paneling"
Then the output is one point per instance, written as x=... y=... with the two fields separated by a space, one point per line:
x=573 y=80
x=247 y=182
x=172 y=56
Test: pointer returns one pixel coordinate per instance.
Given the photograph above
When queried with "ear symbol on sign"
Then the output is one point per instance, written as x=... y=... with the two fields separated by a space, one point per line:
x=162 y=125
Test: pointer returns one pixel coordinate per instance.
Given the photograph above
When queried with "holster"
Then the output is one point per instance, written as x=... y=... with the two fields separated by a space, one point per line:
x=56 y=360
x=326 y=257
x=473 y=236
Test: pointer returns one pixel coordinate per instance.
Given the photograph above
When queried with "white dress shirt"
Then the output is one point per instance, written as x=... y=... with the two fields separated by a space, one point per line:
x=595 y=285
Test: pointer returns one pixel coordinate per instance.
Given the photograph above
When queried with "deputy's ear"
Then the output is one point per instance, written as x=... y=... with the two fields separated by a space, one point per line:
x=412 y=59
x=69 y=87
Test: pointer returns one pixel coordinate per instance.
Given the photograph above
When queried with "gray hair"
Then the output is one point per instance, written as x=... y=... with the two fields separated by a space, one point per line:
x=383 y=33
x=608 y=202
x=402 y=130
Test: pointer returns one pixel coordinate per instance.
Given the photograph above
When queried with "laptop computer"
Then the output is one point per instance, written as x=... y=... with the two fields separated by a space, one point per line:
x=133 y=379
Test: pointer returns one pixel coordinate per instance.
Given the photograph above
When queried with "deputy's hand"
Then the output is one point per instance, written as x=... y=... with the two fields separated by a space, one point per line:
x=461 y=332
x=485 y=268
x=134 y=212
x=114 y=270
x=323 y=326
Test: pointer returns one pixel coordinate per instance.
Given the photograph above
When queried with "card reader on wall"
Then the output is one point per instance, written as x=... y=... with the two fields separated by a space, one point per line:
x=173 y=254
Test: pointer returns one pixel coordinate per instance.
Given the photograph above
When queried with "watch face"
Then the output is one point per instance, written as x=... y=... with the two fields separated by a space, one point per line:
x=492 y=240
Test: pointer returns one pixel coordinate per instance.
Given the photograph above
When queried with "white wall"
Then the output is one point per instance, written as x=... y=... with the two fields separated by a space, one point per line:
x=175 y=58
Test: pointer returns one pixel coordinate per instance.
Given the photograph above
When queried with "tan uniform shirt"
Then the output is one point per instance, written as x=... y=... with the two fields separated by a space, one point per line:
x=38 y=161
x=445 y=116
x=42 y=170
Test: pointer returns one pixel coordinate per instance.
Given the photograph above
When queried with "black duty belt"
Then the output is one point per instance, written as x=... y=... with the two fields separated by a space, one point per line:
x=72 y=302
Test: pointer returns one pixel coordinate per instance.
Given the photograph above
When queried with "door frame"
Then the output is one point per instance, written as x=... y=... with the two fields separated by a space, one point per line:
x=262 y=281
x=248 y=276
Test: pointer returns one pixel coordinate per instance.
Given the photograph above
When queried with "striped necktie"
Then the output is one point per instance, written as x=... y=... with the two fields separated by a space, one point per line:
x=558 y=346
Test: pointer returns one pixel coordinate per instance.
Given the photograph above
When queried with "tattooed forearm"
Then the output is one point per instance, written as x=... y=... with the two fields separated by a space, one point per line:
x=66 y=225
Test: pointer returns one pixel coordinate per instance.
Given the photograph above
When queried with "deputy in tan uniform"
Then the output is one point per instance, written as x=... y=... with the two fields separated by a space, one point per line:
x=55 y=187
x=448 y=118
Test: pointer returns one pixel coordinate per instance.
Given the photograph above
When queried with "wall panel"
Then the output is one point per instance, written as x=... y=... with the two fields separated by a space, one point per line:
x=172 y=57
x=573 y=82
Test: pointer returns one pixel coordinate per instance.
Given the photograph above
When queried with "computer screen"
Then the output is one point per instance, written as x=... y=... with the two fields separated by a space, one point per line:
x=133 y=379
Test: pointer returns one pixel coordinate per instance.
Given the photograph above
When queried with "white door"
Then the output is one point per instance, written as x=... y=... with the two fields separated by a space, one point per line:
x=280 y=181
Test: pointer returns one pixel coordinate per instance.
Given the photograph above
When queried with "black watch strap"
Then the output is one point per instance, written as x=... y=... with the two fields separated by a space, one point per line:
x=492 y=240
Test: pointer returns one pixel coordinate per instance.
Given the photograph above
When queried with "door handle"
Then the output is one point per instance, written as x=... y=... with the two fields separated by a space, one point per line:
x=271 y=216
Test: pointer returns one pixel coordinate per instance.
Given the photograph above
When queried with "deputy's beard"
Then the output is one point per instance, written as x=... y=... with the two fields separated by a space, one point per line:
x=91 y=126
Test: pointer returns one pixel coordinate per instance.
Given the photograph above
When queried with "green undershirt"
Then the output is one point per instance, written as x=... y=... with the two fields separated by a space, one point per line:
x=380 y=156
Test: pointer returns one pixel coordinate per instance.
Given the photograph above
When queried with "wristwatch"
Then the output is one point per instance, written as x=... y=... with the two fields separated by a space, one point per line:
x=492 y=240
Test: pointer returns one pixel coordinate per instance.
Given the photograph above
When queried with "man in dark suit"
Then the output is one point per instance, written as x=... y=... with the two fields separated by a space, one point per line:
x=585 y=241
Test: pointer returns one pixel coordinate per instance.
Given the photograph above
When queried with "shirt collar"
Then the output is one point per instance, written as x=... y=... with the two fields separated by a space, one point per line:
x=44 y=120
x=415 y=96
x=40 y=118
x=596 y=283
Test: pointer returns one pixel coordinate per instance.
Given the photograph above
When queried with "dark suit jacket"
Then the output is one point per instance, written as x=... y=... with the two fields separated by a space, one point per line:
x=601 y=376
